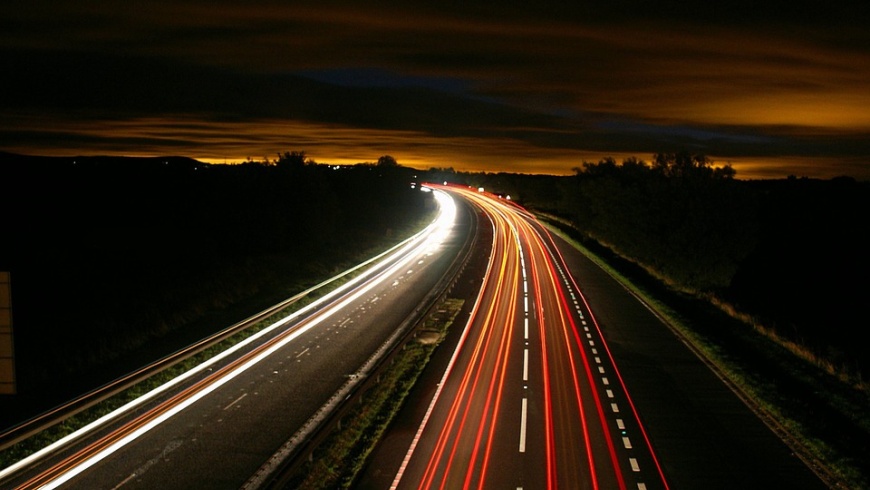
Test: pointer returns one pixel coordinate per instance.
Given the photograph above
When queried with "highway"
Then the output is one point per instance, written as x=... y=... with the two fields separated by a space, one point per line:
x=531 y=399
x=563 y=378
x=540 y=385
x=217 y=425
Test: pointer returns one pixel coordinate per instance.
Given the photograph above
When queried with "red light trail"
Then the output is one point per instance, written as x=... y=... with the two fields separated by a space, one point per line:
x=550 y=419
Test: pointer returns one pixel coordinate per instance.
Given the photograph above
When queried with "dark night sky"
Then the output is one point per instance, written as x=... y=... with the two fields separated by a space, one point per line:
x=773 y=88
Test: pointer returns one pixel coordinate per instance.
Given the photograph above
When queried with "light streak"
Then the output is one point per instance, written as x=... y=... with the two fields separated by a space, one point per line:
x=401 y=255
x=526 y=275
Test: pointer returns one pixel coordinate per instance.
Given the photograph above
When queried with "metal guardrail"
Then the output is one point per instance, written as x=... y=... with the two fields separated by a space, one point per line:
x=58 y=414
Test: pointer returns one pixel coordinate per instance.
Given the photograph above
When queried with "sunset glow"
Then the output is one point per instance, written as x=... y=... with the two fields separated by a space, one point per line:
x=775 y=91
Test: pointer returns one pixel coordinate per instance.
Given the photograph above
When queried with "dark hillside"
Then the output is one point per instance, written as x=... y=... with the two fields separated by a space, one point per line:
x=807 y=277
x=115 y=260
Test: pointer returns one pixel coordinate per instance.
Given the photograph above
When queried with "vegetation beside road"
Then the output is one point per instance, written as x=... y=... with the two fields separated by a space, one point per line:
x=336 y=462
x=820 y=418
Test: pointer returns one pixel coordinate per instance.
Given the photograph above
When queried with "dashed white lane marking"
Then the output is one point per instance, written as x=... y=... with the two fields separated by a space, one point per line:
x=235 y=401
x=172 y=446
x=526 y=365
x=523 y=426
x=303 y=352
x=610 y=394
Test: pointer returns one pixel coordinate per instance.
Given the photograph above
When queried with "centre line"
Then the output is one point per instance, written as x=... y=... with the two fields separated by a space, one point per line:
x=526 y=365
x=523 y=427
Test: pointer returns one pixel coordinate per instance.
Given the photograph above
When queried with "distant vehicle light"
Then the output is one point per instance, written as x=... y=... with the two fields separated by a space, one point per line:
x=480 y=189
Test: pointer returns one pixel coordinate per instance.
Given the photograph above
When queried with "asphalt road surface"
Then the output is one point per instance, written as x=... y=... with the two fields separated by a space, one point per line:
x=217 y=427
x=624 y=404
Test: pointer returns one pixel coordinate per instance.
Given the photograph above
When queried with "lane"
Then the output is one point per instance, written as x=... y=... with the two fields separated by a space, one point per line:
x=527 y=400
x=215 y=427
x=703 y=434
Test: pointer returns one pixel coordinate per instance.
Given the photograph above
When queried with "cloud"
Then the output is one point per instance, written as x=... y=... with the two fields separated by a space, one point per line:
x=742 y=80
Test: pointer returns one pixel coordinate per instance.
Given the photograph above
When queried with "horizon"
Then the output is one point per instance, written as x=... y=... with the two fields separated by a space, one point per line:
x=766 y=172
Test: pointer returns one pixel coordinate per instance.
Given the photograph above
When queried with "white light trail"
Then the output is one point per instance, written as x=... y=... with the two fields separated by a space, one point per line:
x=432 y=236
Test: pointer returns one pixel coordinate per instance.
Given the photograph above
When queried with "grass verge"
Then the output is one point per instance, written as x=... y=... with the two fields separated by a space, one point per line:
x=787 y=392
x=337 y=461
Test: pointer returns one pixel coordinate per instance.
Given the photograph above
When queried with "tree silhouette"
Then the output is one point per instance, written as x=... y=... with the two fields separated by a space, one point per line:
x=387 y=161
x=292 y=159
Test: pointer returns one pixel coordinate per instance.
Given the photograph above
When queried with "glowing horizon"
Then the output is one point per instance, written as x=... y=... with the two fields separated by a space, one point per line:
x=524 y=89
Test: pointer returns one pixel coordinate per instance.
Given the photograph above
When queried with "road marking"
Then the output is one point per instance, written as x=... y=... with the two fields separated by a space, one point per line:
x=303 y=352
x=634 y=466
x=172 y=446
x=626 y=442
x=526 y=365
x=235 y=401
x=523 y=427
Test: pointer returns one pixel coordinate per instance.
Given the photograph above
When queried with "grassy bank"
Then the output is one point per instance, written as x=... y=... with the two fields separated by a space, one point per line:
x=336 y=462
x=824 y=420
